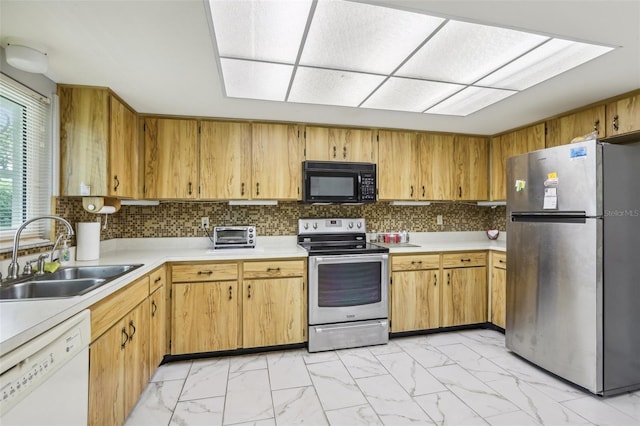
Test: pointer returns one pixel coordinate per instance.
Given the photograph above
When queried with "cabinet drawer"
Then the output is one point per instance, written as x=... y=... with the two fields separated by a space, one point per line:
x=499 y=260
x=107 y=312
x=204 y=272
x=157 y=279
x=415 y=262
x=269 y=269
x=462 y=260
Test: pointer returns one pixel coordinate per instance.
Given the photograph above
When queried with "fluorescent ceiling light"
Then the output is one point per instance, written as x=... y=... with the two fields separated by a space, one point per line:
x=354 y=54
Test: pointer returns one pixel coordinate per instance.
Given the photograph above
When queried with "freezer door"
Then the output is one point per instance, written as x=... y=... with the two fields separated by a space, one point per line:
x=554 y=289
x=564 y=178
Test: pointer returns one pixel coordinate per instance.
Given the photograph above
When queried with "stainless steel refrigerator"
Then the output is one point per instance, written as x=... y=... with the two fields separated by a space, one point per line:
x=573 y=280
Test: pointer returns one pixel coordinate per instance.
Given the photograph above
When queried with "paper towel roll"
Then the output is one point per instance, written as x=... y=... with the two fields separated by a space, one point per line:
x=88 y=239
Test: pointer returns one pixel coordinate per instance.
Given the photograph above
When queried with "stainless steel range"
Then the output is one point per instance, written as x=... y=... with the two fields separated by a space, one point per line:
x=348 y=284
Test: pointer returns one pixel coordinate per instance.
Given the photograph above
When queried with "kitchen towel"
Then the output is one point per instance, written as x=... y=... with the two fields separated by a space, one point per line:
x=88 y=239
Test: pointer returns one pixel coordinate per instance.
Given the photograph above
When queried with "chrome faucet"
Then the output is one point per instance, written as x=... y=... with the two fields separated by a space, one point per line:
x=13 y=266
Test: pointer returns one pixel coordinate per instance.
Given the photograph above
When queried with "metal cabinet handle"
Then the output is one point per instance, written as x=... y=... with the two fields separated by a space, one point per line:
x=435 y=280
x=157 y=279
x=596 y=126
x=411 y=195
x=423 y=191
x=242 y=188
x=116 y=183
x=154 y=308
x=465 y=260
x=273 y=269
x=126 y=338
x=414 y=262
x=257 y=188
x=344 y=153
x=448 y=278
x=190 y=188
x=334 y=151
x=205 y=272
x=615 y=123
x=502 y=261
x=460 y=191
x=230 y=292
x=131 y=325
x=249 y=292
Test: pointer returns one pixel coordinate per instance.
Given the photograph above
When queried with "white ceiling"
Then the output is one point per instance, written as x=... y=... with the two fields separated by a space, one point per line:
x=158 y=56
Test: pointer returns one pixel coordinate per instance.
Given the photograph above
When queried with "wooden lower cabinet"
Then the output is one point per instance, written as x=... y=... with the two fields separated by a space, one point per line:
x=158 y=328
x=464 y=296
x=498 y=288
x=273 y=312
x=119 y=367
x=432 y=290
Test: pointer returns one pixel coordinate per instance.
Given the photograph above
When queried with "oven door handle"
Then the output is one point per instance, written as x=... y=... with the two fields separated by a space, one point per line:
x=351 y=258
x=342 y=327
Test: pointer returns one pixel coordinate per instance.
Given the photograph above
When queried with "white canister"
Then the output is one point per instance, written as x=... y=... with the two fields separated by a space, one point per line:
x=88 y=240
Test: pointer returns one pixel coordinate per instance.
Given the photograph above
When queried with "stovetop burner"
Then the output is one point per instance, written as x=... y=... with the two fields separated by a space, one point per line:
x=321 y=237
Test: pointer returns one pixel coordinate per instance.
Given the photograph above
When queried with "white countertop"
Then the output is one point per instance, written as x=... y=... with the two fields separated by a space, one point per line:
x=20 y=321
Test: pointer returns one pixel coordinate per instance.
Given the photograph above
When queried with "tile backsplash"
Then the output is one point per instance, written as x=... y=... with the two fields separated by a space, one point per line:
x=182 y=219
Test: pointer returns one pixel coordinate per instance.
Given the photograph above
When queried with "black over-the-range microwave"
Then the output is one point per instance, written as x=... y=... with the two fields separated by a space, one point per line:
x=338 y=182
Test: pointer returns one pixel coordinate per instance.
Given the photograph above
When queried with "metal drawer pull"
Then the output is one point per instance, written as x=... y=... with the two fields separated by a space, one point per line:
x=154 y=308
x=465 y=260
x=126 y=338
x=157 y=279
x=419 y=262
x=205 y=272
x=502 y=261
x=273 y=269
x=134 y=329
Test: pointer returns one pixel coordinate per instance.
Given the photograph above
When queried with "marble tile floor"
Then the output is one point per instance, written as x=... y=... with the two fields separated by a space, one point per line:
x=454 y=378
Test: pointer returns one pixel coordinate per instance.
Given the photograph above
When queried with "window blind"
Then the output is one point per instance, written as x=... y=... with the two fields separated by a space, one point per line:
x=25 y=161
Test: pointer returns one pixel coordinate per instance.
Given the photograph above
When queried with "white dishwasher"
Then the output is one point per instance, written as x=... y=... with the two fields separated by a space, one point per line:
x=46 y=380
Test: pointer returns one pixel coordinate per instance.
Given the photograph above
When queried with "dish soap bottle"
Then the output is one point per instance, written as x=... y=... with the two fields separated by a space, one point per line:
x=65 y=254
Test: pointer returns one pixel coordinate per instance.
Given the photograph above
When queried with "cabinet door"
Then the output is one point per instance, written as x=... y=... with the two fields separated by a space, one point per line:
x=205 y=317
x=623 y=116
x=157 y=334
x=351 y=145
x=136 y=362
x=437 y=163
x=415 y=300
x=277 y=162
x=397 y=166
x=106 y=377
x=504 y=146
x=273 y=312
x=84 y=133
x=498 y=296
x=123 y=151
x=464 y=296
x=316 y=140
x=225 y=160
x=472 y=168
x=171 y=158
x=562 y=130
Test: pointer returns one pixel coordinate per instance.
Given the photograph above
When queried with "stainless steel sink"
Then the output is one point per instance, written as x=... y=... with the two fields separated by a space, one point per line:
x=65 y=282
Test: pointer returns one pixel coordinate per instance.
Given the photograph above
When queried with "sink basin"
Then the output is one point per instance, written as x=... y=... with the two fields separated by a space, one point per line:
x=65 y=282
x=50 y=288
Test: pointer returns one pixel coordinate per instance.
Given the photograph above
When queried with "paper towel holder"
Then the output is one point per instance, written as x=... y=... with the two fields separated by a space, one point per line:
x=101 y=205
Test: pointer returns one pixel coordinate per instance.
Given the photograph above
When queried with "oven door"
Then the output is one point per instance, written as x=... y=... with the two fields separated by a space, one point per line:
x=345 y=288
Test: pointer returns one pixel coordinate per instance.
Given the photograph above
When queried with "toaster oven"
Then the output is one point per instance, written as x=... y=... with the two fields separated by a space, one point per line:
x=234 y=237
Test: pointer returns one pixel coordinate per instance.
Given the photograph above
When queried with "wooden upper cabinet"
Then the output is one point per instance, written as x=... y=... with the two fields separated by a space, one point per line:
x=562 y=130
x=509 y=144
x=225 y=160
x=171 y=158
x=472 y=168
x=437 y=164
x=276 y=165
x=623 y=116
x=338 y=144
x=98 y=144
x=397 y=166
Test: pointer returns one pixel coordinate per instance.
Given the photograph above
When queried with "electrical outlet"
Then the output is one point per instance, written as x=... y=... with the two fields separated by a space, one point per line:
x=439 y=220
x=204 y=222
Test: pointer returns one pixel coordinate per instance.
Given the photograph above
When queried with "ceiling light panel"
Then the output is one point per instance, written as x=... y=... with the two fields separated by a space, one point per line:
x=463 y=52
x=363 y=37
x=552 y=58
x=255 y=80
x=470 y=100
x=405 y=94
x=267 y=30
x=330 y=87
